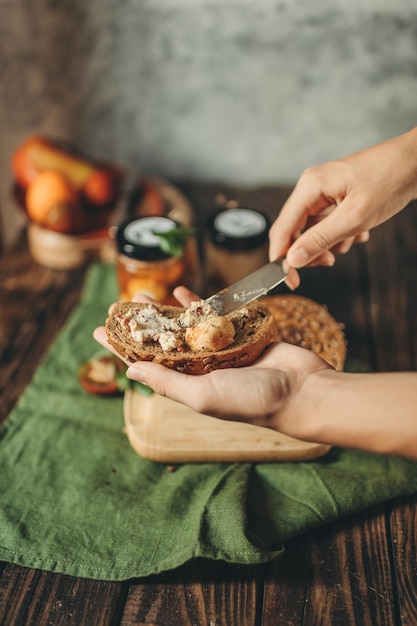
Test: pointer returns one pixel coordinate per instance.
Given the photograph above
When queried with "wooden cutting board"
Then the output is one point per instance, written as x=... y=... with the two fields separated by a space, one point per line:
x=163 y=430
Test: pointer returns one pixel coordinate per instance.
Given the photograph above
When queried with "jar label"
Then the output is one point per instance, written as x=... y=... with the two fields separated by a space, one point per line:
x=240 y=223
x=142 y=232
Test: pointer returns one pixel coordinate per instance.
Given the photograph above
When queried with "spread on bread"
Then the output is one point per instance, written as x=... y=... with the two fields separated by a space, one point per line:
x=198 y=327
x=149 y=324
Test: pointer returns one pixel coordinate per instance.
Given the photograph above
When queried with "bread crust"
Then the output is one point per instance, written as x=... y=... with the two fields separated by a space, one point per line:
x=255 y=331
x=304 y=322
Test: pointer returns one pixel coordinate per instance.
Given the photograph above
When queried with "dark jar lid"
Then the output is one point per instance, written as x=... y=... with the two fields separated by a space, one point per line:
x=238 y=229
x=135 y=238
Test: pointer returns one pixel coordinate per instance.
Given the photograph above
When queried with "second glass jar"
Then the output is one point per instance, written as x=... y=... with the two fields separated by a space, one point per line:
x=236 y=244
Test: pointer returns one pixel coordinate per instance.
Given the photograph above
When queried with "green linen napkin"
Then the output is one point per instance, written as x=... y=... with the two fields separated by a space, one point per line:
x=76 y=499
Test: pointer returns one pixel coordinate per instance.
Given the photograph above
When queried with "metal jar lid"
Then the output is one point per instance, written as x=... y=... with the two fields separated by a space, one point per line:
x=238 y=229
x=136 y=238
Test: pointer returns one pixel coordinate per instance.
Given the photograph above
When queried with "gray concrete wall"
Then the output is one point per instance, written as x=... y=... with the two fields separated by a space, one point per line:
x=240 y=91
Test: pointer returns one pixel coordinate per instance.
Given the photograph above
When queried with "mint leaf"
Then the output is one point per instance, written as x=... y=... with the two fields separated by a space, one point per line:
x=173 y=241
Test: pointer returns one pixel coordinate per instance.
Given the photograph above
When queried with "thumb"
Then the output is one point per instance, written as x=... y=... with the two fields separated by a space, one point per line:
x=319 y=239
x=164 y=381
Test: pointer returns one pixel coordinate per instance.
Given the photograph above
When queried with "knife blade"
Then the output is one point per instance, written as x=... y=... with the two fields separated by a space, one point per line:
x=253 y=286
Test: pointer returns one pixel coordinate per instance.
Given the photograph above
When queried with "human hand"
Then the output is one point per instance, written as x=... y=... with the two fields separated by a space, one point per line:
x=334 y=205
x=265 y=393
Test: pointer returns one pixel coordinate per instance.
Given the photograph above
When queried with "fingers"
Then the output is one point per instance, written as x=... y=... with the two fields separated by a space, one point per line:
x=197 y=392
x=100 y=336
x=185 y=296
x=315 y=242
x=293 y=279
x=336 y=233
x=141 y=297
x=363 y=237
x=328 y=258
x=111 y=308
x=344 y=246
x=306 y=199
x=167 y=382
x=320 y=218
x=234 y=394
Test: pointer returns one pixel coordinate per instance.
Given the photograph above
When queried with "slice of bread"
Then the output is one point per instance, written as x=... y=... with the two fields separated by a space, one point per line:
x=303 y=322
x=255 y=329
x=290 y=318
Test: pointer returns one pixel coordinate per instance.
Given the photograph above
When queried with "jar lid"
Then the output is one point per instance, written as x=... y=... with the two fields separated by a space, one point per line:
x=136 y=237
x=239 y=229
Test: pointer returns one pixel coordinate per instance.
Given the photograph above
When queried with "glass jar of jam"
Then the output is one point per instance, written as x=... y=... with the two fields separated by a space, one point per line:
x=236 y=244
x=143 y=267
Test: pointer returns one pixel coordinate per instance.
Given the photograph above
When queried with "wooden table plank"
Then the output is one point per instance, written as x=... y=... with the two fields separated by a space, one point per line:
x=200 y=592
x=403 y=532
x=392 y=291
x=352 y=569
x=286 y=585
x=30 y=597
x=338 y=575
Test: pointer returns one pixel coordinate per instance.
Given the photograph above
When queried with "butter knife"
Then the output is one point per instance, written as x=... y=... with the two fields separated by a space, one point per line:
x=253 y=286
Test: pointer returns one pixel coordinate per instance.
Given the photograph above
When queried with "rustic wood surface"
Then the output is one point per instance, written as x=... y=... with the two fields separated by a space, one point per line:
x=360 y=570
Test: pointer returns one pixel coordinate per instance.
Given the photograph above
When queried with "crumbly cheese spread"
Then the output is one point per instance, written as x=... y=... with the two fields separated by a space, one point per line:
x=149 y=324
x=196 y=313
x=197 y=328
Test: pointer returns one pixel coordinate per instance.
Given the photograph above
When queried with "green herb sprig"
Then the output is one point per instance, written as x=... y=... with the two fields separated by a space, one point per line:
x=173 y=241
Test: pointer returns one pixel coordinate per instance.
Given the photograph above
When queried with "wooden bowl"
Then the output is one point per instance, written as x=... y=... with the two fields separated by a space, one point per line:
x=62 y=252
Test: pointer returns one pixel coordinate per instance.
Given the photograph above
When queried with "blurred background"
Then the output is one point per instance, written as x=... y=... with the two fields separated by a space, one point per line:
x=239 y=92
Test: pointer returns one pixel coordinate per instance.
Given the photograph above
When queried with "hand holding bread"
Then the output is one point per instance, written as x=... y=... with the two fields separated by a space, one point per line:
x=262 y=333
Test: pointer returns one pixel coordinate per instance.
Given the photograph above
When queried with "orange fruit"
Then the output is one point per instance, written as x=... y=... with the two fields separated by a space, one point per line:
x=101 y=187
x=38 y=154
x=52 y=201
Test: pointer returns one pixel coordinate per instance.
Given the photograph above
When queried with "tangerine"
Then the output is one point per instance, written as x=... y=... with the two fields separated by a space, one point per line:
x=52 y=202
x=101 y=187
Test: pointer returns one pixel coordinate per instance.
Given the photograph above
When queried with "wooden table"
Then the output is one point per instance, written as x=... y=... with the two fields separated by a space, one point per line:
x=361 y=570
